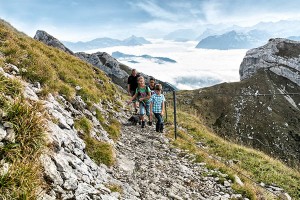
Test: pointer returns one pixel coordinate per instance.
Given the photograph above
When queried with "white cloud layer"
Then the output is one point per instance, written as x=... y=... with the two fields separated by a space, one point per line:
x=195 y=68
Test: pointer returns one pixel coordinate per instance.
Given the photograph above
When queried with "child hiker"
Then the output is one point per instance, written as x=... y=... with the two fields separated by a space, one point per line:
x=157 y=106
x=143 y=95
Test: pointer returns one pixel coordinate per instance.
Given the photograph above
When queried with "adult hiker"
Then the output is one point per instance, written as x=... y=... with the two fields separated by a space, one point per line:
x=152 y=85
x=131 y=87
x=157 y=106
x=143 y=95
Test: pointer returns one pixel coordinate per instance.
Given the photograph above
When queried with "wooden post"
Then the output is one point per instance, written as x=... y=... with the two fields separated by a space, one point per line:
x=175 y=121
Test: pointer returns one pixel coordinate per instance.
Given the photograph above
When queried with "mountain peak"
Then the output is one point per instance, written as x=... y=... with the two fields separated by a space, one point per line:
x=279 y=55
x=48 y=39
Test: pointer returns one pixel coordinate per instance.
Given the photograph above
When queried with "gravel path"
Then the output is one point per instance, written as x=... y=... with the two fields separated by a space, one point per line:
x=150 y=168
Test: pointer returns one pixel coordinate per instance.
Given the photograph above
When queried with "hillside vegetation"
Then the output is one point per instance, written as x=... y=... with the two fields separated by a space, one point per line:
x=55 y=70
x=60 y=74
x=241 y=113
x=252 y=166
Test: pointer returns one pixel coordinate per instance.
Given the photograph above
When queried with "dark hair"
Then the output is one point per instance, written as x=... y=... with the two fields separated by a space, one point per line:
x=152 y=78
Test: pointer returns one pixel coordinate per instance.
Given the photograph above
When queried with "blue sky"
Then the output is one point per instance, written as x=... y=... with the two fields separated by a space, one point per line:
x=76 y=20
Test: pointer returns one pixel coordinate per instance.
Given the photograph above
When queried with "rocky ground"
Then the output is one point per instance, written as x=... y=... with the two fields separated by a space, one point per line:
x=154 y=170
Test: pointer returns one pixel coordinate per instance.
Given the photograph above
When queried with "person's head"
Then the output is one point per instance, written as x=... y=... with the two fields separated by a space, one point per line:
x=141 y=81
x=158 y=88
x=133 y=72
x=152 y=82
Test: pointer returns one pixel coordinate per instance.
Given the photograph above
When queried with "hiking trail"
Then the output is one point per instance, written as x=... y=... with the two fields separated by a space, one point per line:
x=150 y=168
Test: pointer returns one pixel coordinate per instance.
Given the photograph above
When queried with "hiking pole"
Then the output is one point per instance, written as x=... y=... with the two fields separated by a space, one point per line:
x=175 y=123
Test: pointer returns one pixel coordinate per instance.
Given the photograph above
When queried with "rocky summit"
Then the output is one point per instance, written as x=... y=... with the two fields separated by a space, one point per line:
x=280 y=56
x=262 y=111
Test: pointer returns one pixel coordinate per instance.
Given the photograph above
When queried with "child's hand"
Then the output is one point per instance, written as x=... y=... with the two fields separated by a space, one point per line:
x=128 y=102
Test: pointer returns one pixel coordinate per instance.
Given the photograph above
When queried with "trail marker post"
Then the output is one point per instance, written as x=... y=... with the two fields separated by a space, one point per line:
x=175 y=120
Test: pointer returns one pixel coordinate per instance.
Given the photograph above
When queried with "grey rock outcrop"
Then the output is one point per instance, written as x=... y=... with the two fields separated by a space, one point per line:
x=51 y=41
x=107 y=64
x=281 y=56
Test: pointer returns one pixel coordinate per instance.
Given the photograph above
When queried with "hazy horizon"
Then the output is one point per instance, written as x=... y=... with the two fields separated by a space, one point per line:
x=194 y=68
x=75 y=20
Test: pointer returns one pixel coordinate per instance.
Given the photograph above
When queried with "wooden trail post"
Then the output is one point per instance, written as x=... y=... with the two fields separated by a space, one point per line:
x=175 y=121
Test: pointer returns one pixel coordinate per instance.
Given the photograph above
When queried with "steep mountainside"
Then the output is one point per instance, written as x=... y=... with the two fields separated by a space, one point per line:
x=261 y=110
x=117 y=71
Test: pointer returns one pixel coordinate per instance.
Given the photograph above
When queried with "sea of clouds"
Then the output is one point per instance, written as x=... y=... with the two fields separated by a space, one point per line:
x=194 y=68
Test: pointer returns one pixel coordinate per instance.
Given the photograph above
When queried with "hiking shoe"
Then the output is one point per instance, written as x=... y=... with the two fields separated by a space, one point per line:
x=150 y=123
x=143 y=124
x=161 y=128
x=140 y=122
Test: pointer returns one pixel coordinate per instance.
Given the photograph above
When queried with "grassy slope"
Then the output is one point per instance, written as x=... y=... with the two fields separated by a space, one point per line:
x=58 y=73
x=256 y=165
x=56 y=70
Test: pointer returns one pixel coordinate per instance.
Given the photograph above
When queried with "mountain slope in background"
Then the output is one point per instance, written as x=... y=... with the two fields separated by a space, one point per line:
x=241 y=113
x=105 y=42
x=234 y=40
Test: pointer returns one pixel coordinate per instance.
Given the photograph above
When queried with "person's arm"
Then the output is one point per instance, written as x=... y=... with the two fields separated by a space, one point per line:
x=151 y=105
x=148 y=93
x=133 y=97
x=163 y=108
x=128 y=84
x=128 y=88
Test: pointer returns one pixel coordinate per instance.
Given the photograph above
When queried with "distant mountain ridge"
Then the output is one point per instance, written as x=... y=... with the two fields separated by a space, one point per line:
x=234 y=40
x=296 y=38
x=159 y=60
x=105 y=42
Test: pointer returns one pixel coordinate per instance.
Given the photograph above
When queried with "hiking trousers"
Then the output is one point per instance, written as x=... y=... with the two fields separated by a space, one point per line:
x=159 y=123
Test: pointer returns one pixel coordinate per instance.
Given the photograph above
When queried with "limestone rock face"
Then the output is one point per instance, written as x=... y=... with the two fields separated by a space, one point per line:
x=51 y=41
x=281 y=56
x=107 y=64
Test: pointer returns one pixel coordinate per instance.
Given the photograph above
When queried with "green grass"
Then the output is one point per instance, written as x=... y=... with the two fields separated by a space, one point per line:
x=56 y=70
x=83 y=124
x=115 y=188
x=100 y=152
x=252 y=163
x=111 y=126
x=58 y=73
x=24 y=175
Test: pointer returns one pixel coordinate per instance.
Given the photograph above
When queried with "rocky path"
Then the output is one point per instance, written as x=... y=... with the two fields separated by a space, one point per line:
x=150 y=168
